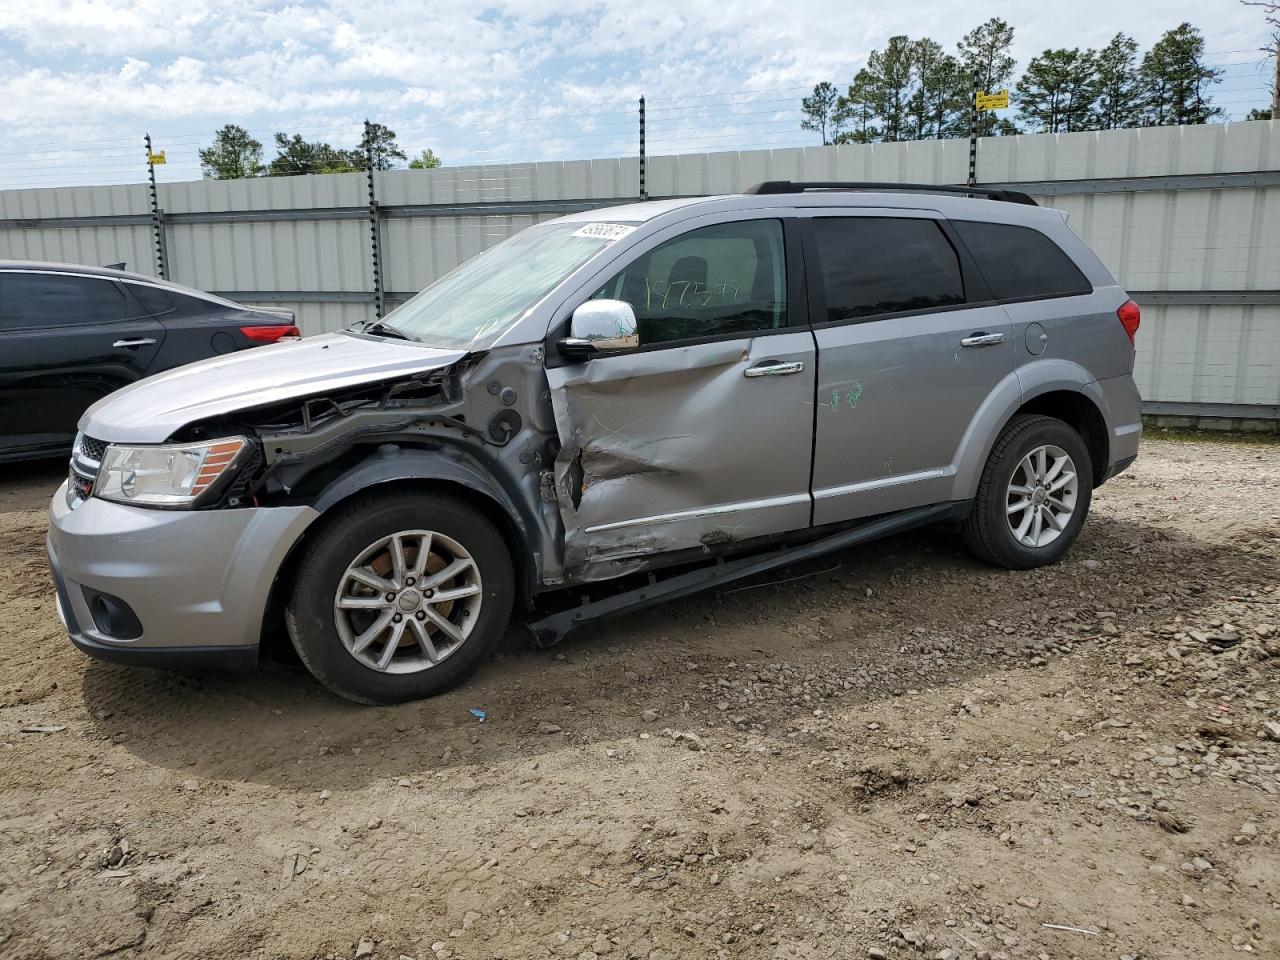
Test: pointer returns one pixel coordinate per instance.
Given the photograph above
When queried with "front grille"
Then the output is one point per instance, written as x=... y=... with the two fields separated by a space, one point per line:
x=86 y=458
x=92 y=449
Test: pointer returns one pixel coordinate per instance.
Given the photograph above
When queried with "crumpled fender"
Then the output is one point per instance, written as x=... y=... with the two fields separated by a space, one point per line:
x=447 y=463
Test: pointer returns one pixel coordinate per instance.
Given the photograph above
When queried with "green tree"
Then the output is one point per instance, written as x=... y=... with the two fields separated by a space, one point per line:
x=379 y=142
x=1058 y=91
x=1175 y=79
x=1120 y=93
x=985 y=49
x=234 y=155
x=818 y=112
x=856 y=109
x=934 y=106
x=1256 y=114
x=427 y=160
x=297 y=156
x=891 y=72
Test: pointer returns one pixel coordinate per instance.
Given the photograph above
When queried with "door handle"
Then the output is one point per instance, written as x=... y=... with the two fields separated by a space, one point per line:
x=139 y=342
x=776 y=368
x=982 y=340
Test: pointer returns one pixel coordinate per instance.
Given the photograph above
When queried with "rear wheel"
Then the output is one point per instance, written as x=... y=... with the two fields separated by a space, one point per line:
x=400 y=596
x=1033 y=496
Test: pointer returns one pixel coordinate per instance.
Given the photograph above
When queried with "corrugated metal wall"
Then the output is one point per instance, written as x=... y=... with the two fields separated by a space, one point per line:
x=1187 y=217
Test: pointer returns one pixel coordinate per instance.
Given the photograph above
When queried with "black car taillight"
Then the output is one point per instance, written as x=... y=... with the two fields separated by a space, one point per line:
x=270 y=333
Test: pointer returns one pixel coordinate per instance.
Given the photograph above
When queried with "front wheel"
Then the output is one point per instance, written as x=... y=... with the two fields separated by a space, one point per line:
x=1033 y=496
x=400 y=596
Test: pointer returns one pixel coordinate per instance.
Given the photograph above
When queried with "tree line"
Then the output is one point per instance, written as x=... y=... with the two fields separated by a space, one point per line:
x=235 y=155
x=916 y=90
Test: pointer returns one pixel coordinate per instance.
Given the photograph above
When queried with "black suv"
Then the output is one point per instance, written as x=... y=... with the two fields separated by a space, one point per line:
x=69 y=335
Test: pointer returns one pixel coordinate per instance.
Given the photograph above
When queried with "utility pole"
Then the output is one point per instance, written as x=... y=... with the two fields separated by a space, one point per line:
x=644 y=193
x=375 y=226
x=157 y=216
x=1275 y=84
x=973 y=130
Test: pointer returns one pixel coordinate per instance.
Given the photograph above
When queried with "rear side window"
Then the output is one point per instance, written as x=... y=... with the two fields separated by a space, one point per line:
x=53 y=300
x=877 y=265
x=1020 y=263
x=154 y=300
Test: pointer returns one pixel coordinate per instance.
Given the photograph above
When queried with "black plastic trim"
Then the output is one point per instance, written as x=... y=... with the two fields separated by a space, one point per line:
x=241 y=659
x=555 y=626
x=770 y=187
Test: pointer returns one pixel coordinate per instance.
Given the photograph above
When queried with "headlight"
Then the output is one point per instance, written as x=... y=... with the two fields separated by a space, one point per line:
x=165 y=476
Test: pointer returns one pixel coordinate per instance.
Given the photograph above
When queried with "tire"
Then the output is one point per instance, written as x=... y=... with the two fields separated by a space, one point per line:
x=989 y=530
x=366 y=543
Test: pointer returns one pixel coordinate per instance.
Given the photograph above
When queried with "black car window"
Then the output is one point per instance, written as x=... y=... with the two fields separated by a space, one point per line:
x=873 y=266
x=1021 y=263
x=154 y=301
x=721 y=280
x=52 y=300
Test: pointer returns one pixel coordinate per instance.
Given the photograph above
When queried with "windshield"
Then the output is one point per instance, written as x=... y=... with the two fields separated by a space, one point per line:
x=469 y=307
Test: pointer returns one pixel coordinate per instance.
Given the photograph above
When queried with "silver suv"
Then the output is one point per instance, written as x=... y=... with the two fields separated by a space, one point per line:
x=605 y=411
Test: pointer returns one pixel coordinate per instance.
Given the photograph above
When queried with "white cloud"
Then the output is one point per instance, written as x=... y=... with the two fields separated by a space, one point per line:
x=516 y=79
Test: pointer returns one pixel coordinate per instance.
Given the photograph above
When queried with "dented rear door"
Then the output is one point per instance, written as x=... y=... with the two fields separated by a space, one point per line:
x=702 y=437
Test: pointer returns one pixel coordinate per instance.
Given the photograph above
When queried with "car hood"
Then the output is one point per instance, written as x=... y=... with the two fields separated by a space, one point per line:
x=150 y=410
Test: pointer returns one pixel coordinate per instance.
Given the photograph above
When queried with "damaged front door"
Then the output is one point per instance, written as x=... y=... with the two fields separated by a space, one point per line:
x=702 y=436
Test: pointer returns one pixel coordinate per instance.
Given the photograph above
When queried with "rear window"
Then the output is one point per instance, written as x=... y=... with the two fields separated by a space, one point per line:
x=1020 y=263
x=878 y=265
x=54 y=300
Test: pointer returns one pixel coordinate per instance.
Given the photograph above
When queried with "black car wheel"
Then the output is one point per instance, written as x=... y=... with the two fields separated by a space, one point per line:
x=1033 y=496
x=400 y=596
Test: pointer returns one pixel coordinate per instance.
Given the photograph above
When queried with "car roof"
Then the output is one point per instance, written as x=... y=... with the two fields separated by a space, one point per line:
x=107 y=273
x=951 y=206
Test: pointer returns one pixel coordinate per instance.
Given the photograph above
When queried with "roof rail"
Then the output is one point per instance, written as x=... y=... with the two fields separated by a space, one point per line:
x=787 y=186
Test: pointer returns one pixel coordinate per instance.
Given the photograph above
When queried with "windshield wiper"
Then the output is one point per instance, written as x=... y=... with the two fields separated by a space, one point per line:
x=379 y=328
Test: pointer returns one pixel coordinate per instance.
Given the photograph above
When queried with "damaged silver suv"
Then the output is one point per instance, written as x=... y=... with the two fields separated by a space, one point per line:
x=605 y=411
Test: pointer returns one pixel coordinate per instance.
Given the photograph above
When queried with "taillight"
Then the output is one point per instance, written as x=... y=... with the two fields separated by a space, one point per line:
x=1130 y=317
x=272 y=332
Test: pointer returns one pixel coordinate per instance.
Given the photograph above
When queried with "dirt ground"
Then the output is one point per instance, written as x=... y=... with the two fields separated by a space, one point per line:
x=898 y=753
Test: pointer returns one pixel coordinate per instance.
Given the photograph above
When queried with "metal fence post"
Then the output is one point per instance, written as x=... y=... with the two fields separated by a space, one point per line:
x=644 y=193
x=973 y=131
x=375 y=226
x=157 y=217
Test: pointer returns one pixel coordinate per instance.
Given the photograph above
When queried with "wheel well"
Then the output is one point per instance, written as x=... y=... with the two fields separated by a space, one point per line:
x=1080 y=412
x=521 y=561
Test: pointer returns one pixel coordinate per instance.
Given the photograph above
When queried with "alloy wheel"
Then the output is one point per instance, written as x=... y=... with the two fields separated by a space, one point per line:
x=1042 y=495
x=408 y=601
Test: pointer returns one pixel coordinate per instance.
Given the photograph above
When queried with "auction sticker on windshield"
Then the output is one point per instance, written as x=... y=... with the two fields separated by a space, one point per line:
x=605 y=231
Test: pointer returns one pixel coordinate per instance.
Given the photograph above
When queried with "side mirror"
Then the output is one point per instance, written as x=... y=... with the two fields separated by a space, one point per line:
x=600 y=327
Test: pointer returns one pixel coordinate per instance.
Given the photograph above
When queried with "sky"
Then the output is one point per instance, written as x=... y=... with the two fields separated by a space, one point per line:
x=82 y=80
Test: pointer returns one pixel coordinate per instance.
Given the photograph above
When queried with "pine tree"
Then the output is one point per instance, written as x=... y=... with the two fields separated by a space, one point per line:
x=1175 y=79
x=1120 y=93
x=891 y=72
x=1058 y=92
x=986 y=50
x=818 y=112
x=856 y=109
x=934 y=106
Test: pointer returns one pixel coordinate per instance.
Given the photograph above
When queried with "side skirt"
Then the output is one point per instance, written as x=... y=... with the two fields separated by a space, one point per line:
x=663 y=586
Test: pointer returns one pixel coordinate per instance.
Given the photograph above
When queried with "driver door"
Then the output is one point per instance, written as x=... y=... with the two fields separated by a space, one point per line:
x=702 y=436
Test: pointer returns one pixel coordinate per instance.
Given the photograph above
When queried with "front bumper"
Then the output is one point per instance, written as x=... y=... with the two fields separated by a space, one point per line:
x=194 y=583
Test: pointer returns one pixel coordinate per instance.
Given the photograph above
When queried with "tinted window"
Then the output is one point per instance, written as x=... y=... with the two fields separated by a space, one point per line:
x=154 y=300
x=720 y=280
x=1020 y=263
x=876 y=265
x=48 y=300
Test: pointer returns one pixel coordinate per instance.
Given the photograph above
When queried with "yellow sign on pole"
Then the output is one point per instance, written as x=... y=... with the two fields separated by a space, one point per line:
x=992 y=101
x=155 y=159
